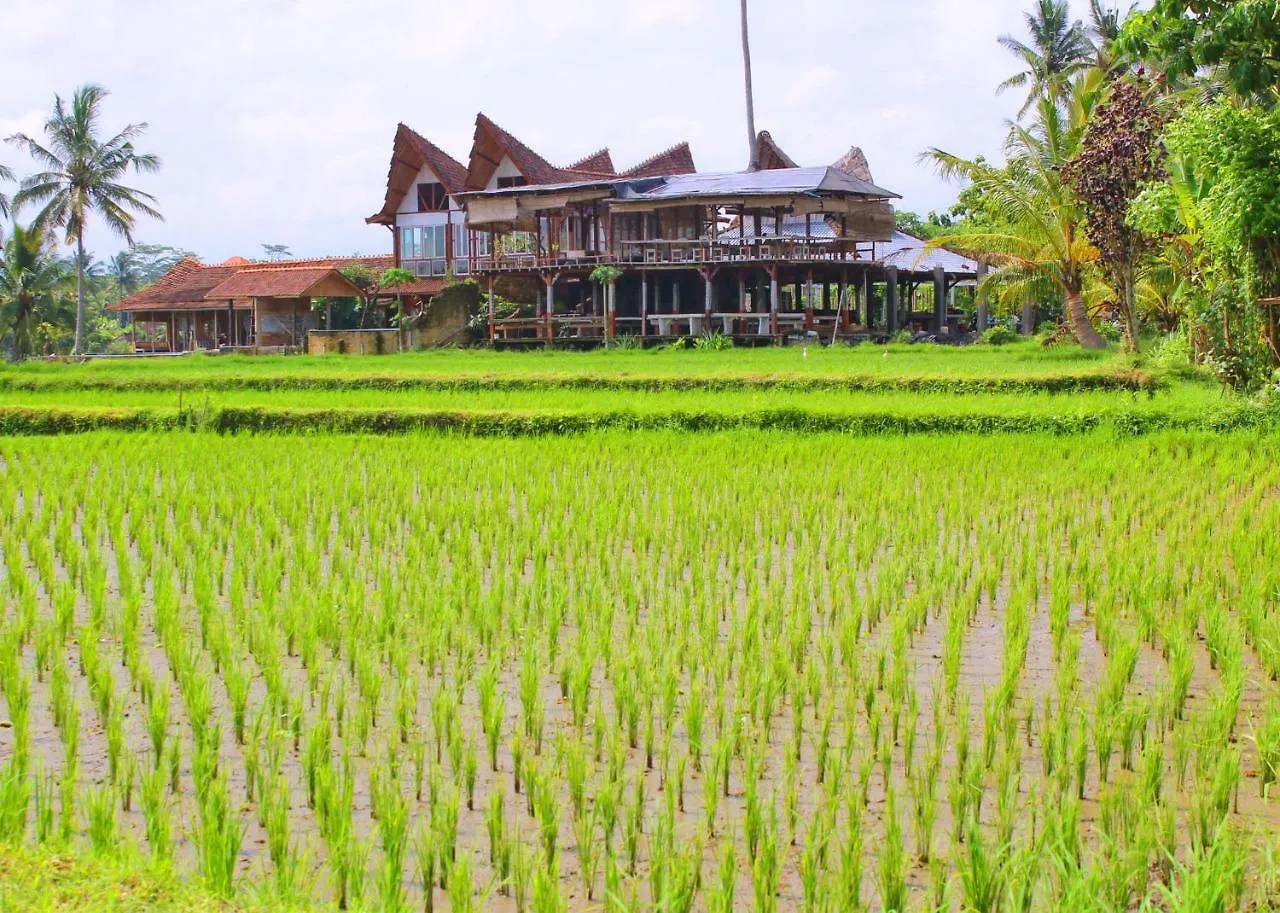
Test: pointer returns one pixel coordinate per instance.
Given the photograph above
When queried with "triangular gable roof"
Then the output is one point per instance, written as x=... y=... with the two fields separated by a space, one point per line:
x=770 y=154
x=855 y=163
x=597 y=163
x=409 y=153
x=492 y=143
x=676 y=160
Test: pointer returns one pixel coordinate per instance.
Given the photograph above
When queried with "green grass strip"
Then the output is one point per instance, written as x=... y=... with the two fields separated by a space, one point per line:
x=1128 y=381
x=23 y=421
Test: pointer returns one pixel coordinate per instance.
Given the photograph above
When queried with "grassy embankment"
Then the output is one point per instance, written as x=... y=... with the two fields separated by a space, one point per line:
x=867 y=389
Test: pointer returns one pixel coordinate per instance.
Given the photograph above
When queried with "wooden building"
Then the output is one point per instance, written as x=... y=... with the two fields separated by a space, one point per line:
x=238 y=304
x=781 y=252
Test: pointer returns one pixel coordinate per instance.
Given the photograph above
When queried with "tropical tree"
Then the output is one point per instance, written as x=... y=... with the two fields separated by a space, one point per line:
x=1240 y=39
x=1033 y=226
x=1219 y=211
x=277 y=251
x=1057 y=50
x=1120 y=155
x=1106 y=23
x=6 y=174
x=83 y=177
x=753 y=162
x=31 y=282
x=123 y=270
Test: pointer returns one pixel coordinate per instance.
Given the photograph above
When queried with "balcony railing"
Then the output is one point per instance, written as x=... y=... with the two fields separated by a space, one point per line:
x=682 y=252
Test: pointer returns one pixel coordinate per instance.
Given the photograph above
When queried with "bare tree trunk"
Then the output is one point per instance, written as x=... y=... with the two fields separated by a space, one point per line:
x=78 y=347
x=753 y=161
x=1081 y=325
x=1131 y=328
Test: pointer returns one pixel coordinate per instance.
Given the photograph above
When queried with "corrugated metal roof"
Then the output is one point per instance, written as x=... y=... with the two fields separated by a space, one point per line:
x=908 y=253
x=793 y=226
x=814 y=181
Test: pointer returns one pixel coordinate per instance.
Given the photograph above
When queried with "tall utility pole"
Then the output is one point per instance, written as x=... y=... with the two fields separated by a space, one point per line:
x=753 y=162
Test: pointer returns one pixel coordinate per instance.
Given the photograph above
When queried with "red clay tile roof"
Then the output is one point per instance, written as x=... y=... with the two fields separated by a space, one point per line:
x=409 y=152
x=185 y=286
x=284 y=282
x=596 y=163
x=770 y=153
x=676 y=160
x=491 y=143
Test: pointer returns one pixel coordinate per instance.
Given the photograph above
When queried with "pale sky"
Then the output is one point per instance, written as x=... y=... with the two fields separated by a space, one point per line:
x=274 y=119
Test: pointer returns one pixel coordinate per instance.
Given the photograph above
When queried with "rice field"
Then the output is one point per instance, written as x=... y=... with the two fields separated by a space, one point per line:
x=650 y=670
x=1021 y=359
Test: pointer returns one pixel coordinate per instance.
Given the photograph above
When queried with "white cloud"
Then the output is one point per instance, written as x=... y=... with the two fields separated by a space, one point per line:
x=274 y=119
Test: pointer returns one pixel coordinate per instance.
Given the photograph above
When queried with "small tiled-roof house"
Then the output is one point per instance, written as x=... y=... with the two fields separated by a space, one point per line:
x=237 y=303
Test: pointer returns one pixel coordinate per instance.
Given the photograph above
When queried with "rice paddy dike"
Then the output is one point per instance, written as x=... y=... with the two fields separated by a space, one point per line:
x=858 y=390
x=638 y=631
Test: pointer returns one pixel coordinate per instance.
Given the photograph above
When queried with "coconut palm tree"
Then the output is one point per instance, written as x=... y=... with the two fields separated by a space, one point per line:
x=1037 y=238
x=6 y=174
x=1058 y=49
x=31 y=281
x=123 y=270
x=1105 y=23
x=83 y=177
x=753 y=161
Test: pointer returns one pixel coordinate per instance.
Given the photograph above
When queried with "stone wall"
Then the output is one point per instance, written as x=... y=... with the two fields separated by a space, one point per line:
x=445 y=321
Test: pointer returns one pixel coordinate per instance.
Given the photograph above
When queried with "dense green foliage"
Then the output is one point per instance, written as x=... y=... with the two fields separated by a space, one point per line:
x=1238 y=38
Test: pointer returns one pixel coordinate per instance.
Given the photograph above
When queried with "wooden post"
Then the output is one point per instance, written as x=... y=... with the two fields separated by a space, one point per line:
x=742 y=294
x=611 y=306
x=808 y=297
x=675 y=295
x=709 y=298
x=892 y=292
x=773 y=300
x=550 y=308
x=644 y=304
x=493 y=311
x=981 y=300
x=939 y=300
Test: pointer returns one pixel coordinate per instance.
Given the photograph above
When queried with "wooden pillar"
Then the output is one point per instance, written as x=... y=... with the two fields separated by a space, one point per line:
x=867 y=302
x=891 y=302
x=842 y=304
x=773 y=300
x=939 y=300
x=742 y=294
x=981 y=299
x=547 y=331
x=708 y=301
x=493 y=311
x=644 y=304
x=611 y=309
x=808 y=298
x=675 y=295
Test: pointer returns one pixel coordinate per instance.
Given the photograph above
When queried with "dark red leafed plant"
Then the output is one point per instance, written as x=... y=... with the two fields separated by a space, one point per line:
x=1120 y=154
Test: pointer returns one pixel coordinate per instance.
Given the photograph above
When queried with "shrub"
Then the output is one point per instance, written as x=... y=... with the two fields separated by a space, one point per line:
x=999 y=336
x=713 y=342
